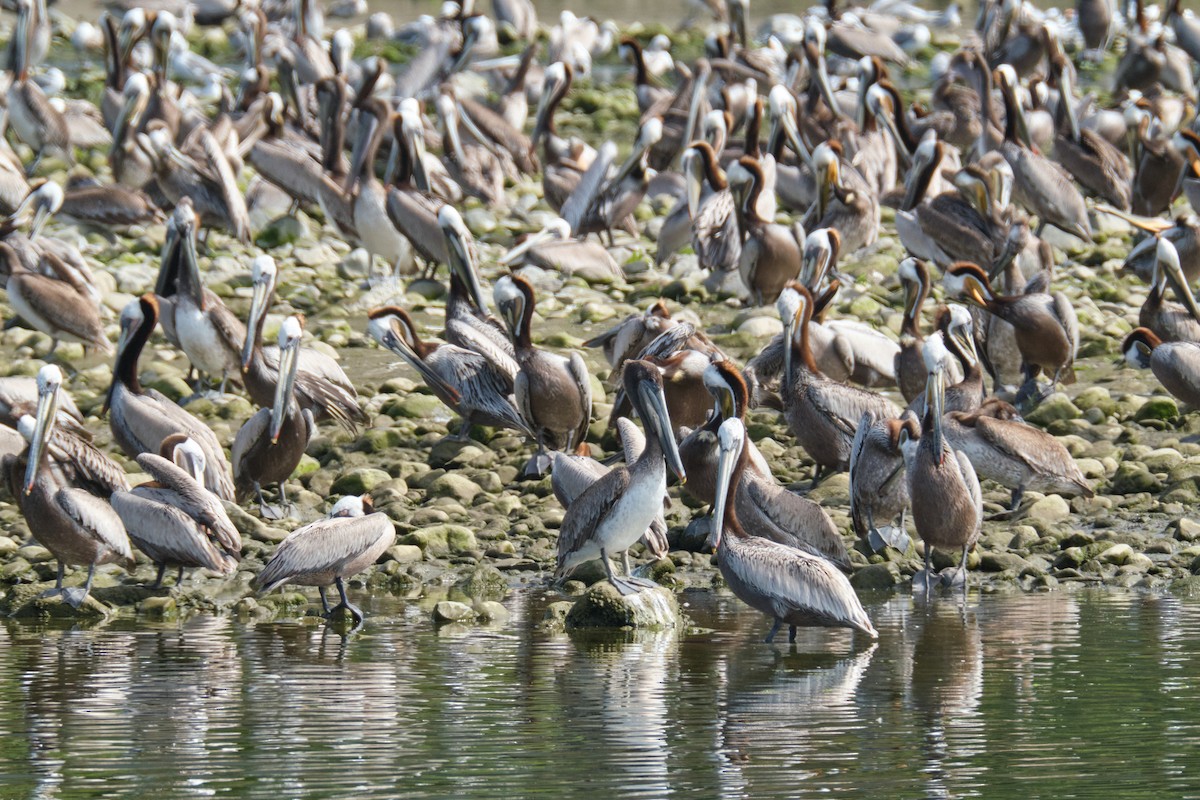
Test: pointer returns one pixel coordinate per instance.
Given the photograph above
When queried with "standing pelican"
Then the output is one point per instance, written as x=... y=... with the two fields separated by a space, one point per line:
x=1171 y=322
x=351 y=539
x=910 y=366
x=615 y=511
x=553 y=393
x=790 y=585
x=1175 y=364
x=716 y=239
x=844 y=200
x=74 y=524
x=771 y=254
x=269 y=446
x=173 y=518
x=142 y=418
x=877 y=486
x=34 y=119
x=947 y=503
x=461 y=378
x=368 y=197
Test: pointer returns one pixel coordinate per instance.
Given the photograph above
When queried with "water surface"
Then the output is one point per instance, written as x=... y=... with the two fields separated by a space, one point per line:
x=1065 y=695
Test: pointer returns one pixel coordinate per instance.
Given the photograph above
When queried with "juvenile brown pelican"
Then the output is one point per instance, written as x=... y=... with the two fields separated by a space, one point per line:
x=844 y=201
x=770 y=256
x=462 y=379
x=322 y=386
x=822 y=414
x=790 y=585
x=58 y=306
x=553 y=248
x=173 y=519
x=142 y=418
x=947 y=504
x=631 y=335
x=34 y=119
x=1175 y=364
x=1047 y=331
x=75 y=524
x=615 y=511
x=910 y=364
x=99 y=206
x=1171 y=322
x=268 y=447
x=368 y=198
x=1095 y=162
x=877 y=487
x=351 y=539
x=553 y=393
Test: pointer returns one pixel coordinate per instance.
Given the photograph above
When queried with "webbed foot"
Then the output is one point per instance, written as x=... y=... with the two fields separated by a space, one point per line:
x=923 y=581
x=888 y=536
x=75 y=596
x=536 y=468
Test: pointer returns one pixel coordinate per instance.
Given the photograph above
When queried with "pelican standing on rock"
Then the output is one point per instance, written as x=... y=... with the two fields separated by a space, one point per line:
x=615 y=511
x=74 y=524
x=792 y=586
x=351 y=539
x=1175 y=364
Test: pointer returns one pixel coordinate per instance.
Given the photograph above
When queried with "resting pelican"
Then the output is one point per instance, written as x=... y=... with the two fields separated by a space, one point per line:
x=822 y=414
x=269 y=446
x=173 y=518
x=73 y=523
x=947 y=503
x=553 y=248
x=615 y=511
x=351 y=539
x=877 y=487
x=58 y=306
x=790 y=585
x=1175 y=364
x=462 y=379
x=142 y=418
x=553 y=393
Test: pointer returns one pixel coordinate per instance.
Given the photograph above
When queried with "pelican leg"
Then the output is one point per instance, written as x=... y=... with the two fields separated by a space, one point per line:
x=464 y=431
x=354 y=610
x=538 y=464
x=324 y=601
x=1017 y=494
x=636 y=580
x=819 y=474
x=179 y=576
x=923 y=580
x=791 y=634
x=288 y=509
x=624 y=588
x=774 y=630
x=76 y=595
x=265 y=509
x=959 y=576
x=58 y=587
x=162 y=570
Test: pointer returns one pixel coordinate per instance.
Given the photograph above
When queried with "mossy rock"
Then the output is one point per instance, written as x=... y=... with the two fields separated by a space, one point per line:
x=1158 y=407
x=602 y=606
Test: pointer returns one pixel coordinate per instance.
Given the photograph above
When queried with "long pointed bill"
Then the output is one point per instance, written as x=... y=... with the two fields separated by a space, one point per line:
x=258 y=309
x=936 y=390
x=288 y=360
x=883 y=112
x=367 y=124
x=416 y=147
x=731 y=440
x=699 y=87
x=654 y=410
x=789 y=332
x=1066 y=95
x=827 y=88
x=1173 y=272
x=460 y=257
x=788 y=121
x=47 y=409
x=191 y=461
x=693 y=177
x=393 y=340
x=514 y=255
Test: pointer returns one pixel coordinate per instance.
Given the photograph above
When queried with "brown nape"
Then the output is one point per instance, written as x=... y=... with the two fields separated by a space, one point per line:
x=386 y=311
x=1143 y=335
x=660 y=310
x=368 y=503
x=167 y=448
x=964 y=268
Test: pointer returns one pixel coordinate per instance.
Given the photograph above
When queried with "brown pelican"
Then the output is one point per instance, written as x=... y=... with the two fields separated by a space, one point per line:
x=553 y=393
x=790 y=585
x=822 y=414
x=173 y=518
x=1175 y=364
x=462 y=379
x=76 y=524
x=631 y=335
x=947 y=504
x=411 y=206
x=615 y=511
x=770 y=256
x=553 y=248
x=1047 y=331
x=952 y=225
x=955 y=332
x=58 y=306
x=571 y=475
x=600 y=202
x=564 y=161
x=208 y=180
x=351 y=539
x=102 y=207
x=130 y=164
x=1184 y=234
x=1157 y=165
x=34 y=119
x=648 y=93
x=468 y=322
x=1095 y=162
x=1171 y=322
x=269 y=446
x=910 y=363
x=321 y=385
x=477 y=169
x=368 y=198
x=141 y=418
x=877 y=487
x=844 y=201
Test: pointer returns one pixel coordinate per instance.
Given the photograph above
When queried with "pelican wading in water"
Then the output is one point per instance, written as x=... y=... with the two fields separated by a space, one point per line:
x=612 y=514
x=329 y=551
x=792 y=586
x=65 y=502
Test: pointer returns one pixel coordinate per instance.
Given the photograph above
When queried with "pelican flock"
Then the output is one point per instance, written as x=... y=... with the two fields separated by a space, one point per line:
x=859 y=322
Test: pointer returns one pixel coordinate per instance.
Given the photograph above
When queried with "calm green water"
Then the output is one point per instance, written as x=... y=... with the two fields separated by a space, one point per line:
x=1088 y=694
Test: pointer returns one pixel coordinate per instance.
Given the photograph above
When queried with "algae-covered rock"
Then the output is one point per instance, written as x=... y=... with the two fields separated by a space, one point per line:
x=1157 y=408
x=442 y=539
x=453 y=611
x=159 y=607
x=1054 y=408
x=883 y=575
x=1050 y=508
x=484 y=583
x=602 y=606
x=456 y=486
x=1132 y=477
x=359 y=481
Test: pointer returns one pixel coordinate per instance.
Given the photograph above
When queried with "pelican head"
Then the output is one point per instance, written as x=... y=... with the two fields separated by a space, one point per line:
x=936 y=357
x=263 y=275
x=49 y=384
x=185 y=453
x=915 y=277
x=557 y=228
x=925 y=160
x=460 y=246
x=643 y=386
x=45 y=201
x=1166 y=258
x=290 y=334
x=555 y=84
x=781 y=107
x=791 y=304
x=731 y=440
x=827 y=171
x=1138 y=347
x=412 y=131
x=513 y=296
x=970 y=282
x=132 y=28
x=728 y=390
x=961 y=329
x=819 y=257
x=351 y=506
